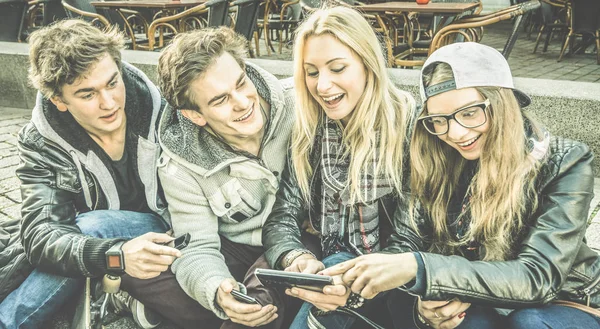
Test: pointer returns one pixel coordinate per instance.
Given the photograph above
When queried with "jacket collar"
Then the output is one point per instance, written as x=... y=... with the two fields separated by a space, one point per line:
x=142 y=105
x=204 y=153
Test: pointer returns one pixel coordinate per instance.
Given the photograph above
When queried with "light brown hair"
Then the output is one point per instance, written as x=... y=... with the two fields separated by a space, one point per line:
x=189 y=55
x=502 y=192
x=65 y=51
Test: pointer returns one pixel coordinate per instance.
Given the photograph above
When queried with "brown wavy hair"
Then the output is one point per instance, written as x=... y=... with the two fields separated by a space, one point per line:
x=63 y=52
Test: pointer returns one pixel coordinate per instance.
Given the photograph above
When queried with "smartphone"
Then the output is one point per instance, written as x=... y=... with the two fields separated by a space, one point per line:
x=284 y=279
x=179 y=243
x=243 y=298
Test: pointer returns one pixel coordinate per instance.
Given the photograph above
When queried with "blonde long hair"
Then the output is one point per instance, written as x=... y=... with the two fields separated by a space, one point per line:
x=380 y=112
x=502 y=191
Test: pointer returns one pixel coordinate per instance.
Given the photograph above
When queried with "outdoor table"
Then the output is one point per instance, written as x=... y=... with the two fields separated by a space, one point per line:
x=441 y=9
x=151 y=4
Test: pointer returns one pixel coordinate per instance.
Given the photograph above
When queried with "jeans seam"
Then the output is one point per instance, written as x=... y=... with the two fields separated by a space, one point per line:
x=64 y=281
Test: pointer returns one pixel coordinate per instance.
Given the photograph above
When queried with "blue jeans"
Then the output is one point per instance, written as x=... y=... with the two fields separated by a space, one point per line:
x=401 y=306
x=338 y=321
x=552 y=317
x=42 y=294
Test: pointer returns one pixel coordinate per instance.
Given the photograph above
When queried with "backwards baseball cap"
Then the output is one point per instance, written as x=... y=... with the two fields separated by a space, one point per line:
x=473 y=65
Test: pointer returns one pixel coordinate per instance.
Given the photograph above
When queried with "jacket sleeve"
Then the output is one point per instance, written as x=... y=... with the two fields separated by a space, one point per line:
x=51 y=240
x=281 y=231
x=545 y=256
x=202 y=268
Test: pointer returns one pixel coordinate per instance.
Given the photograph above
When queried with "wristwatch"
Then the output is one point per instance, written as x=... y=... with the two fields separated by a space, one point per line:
x=115 y=262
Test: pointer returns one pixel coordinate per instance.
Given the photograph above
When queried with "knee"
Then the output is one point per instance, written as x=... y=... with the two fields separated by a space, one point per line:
x=100 y=223
x=526 y=318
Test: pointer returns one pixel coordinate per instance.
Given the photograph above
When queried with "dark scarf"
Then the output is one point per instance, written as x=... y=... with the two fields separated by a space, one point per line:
x=339 y=218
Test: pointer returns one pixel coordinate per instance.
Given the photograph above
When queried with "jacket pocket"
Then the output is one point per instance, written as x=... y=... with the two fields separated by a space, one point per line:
x=68 y=179
x=233 y=204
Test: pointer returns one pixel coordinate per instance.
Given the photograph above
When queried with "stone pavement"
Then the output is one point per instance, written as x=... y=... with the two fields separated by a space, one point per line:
x=524 y=64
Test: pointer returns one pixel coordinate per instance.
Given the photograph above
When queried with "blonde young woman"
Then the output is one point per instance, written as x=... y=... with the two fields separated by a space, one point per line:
x=504 y=210
x=348 y=146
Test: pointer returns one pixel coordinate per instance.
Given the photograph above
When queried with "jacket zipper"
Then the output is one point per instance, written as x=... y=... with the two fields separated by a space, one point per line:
x=587 y=291
x=312 y=180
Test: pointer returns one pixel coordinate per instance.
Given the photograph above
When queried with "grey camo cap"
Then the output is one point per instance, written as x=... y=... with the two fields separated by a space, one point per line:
x=473 y=65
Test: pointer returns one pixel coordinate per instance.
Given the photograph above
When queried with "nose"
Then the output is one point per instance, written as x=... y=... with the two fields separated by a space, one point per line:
x=455 y=131
x=241 y=101
x=107 y=101
x=324 y=83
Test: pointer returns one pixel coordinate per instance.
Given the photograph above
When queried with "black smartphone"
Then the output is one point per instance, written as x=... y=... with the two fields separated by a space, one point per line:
x=180 y=242
x=243 y=298
x=284 y=279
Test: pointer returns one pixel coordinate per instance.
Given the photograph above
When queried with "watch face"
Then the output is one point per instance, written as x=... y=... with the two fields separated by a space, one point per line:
x=114 y=261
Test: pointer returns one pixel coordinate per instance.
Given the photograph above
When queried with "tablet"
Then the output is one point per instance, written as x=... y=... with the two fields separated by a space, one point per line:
x=284 y=279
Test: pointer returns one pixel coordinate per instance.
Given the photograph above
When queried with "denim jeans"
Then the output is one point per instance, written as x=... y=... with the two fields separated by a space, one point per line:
x=552 y=317
x=42 y=294
x=401 y=306
x=334 y=320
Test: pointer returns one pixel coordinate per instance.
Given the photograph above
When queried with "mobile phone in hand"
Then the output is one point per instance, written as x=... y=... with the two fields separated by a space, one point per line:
x=243 y=298
x=180 y=242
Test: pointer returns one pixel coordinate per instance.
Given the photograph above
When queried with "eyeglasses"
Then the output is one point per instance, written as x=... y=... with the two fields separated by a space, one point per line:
x=470 y=116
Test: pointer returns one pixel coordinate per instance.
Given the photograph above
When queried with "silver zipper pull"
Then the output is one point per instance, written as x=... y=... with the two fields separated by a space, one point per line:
x=586 y=291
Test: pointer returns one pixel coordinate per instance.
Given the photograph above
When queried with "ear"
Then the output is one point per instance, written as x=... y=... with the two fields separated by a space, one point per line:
x=195 y=117
x=60 y=105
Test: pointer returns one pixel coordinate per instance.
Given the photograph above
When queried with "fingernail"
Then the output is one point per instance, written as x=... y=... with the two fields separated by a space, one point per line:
x=294 y=292
x=462 y=315
x=327 y=290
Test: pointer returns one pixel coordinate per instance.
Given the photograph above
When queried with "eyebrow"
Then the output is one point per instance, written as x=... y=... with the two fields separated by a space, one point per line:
x=327 y=63
x=86 y=90
x=239 y=80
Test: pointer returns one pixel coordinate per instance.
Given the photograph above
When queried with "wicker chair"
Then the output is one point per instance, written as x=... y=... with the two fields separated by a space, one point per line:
x=470 y=28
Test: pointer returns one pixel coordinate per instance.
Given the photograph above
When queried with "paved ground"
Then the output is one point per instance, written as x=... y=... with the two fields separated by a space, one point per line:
x=524 y=63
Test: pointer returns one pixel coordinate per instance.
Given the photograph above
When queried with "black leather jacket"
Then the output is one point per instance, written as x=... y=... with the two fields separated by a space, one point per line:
x=552 y=260
x=63 y=172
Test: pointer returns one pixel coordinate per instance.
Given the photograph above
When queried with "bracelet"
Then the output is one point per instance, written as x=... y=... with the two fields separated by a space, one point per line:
x=355 y=301
x=291 y=256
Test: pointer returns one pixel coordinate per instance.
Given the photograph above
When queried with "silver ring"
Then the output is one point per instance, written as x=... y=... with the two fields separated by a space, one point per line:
x=436 y=315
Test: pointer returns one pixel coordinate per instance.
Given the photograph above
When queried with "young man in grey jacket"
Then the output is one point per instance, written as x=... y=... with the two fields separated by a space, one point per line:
x=224 y=142
x=89 y=187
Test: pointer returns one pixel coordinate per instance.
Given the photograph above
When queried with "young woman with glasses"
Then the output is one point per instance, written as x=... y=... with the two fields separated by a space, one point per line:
x=495 y=234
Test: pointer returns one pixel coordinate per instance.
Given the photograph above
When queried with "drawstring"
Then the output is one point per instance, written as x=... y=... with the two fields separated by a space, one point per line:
x=83 y=180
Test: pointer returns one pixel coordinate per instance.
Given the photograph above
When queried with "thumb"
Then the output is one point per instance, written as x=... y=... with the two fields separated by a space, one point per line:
x=227 y=285
x=161 y=238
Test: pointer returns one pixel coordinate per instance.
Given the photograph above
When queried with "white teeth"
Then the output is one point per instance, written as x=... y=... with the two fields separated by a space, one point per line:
x=245 y=115
x=331 y=98
x=469 y=142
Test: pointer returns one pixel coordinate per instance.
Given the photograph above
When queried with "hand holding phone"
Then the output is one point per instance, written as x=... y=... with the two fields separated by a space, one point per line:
x=243 y=298
x=180 y=242
x=285 y=279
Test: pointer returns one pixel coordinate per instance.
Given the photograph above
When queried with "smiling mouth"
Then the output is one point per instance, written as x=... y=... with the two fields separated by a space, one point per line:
x=331 y=100
x=469 y=142
x=110 y=115
x=245 y=116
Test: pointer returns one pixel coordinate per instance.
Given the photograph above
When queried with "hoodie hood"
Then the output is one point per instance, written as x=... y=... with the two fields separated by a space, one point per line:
x=142 y=106
x=204 y=153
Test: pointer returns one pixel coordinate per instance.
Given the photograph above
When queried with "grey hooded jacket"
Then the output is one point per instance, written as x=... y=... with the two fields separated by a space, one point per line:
x=215 y=190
